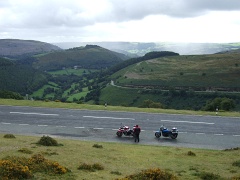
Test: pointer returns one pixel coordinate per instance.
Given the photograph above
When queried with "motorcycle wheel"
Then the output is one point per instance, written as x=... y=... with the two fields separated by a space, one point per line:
x=174 y=136
x=157 y=135
x=119 y=134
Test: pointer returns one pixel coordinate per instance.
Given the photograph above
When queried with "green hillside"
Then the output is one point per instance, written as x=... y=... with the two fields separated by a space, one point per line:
x=90 y=57
x=197 y=72
x=177 y=82
x=20 y=78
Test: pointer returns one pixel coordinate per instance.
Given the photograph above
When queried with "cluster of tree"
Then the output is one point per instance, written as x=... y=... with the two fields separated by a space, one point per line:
x=192 y=100
x=225 y=104
x=20 y=78
x=10 y=95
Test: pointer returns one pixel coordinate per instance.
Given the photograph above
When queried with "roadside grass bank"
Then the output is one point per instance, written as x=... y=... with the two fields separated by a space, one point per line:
x=53 y=104
x=118 y=160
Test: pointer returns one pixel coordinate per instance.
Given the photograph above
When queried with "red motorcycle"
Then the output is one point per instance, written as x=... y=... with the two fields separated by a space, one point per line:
x=124 y=130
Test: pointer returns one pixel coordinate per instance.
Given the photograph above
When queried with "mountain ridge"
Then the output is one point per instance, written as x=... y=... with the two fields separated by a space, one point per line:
x=17 y=48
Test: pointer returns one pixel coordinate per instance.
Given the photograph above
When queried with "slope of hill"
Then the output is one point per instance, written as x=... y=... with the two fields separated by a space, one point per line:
x=198 y=72
x=20 y=78
x=176 y=82
x=15 y=48
x=90 y=56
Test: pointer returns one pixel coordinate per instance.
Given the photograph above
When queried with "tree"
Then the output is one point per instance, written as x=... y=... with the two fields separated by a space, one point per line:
x=225 y=104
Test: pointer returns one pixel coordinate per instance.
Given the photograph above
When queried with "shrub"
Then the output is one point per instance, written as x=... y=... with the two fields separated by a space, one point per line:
x=190 y=153
x=209 y=176
x=9 y=136
x=25 y=150
x=97 y=166
x=37 y=163
x=20 y=165
x=151 y=174
x=47 y=141
x=90 y=167
x=11 y=170
x=236 y=177
x=97 y=146
x=116 y=172
x=236 y=163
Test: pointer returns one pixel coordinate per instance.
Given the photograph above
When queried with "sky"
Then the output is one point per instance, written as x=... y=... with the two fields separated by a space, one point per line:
x=185 y=21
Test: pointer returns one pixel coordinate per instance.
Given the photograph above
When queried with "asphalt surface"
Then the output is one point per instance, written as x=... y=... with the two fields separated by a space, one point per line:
x=206 y=132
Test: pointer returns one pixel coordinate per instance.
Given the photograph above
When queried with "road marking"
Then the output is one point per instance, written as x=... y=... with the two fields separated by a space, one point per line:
x=23 y=124
x=200 y=133
x=193 y=122
x=41 y=114
x=5 y=123
x=42 y=125
x=98 y=117
x=98 y=128
x=79 y=127
x=61 y=126
x=236 y=135
x=183 y=132
x=218 y=134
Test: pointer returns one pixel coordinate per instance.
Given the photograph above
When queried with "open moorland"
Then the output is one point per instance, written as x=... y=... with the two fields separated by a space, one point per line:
x=120 y=160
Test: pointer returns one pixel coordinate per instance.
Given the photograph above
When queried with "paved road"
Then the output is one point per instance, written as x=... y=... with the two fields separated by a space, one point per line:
x=208 y=132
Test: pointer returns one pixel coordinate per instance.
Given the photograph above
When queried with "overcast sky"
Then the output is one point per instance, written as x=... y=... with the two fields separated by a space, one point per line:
x=121 y=20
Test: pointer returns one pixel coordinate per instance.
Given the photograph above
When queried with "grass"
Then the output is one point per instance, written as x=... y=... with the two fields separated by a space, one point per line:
x=219 y=70
x=53 y=104
x=69 y=71
x=125 y=159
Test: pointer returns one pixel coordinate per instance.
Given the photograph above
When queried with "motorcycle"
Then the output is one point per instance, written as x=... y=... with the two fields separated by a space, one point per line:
x=173 y=133
x=124 y=130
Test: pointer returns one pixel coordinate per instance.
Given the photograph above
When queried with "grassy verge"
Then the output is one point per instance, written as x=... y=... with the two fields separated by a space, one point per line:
x=52 y=104
x=119 y=160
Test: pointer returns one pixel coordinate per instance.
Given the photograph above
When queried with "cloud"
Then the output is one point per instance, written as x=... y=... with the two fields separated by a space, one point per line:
x=42 y=13
x=136 y=9
x=111 y=19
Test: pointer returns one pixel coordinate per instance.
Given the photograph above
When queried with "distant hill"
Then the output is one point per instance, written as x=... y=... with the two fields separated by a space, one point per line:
x=90 y=56
x=141 y=48
x=235 y=51
x=15 y=48
x=21 y=78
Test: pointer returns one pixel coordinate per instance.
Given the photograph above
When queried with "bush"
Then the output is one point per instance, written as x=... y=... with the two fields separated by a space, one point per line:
x=90 y=167
x=47 y=141
x=190 y=153
x=97 y=146
x=20 y=165
x=236 y=163
x=236 y=177
x=25 y=150
x=37 y=163
x=209 y=176
x=116 y=172
x=9 y=136
x=11 y=170
x=153 y=174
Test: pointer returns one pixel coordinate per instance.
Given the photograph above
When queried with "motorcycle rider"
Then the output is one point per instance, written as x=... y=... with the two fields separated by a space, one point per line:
x=136 y=132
